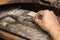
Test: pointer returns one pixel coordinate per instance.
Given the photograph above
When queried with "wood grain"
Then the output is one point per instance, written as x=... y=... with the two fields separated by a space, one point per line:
x=8 y=36
x=4 y=1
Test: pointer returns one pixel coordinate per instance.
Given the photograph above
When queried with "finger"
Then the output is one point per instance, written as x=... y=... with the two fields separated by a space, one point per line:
x=38 y=21
x=37 y=15
x=41 y=12
x=52 y=13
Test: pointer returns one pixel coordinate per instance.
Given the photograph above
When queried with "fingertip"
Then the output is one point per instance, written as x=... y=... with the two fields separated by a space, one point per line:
x=46 y=11
x=33 y=18
x=37 y=20
x=51 y=11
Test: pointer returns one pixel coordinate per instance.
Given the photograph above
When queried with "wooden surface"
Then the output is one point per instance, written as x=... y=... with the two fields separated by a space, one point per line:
x=4 y=1
x=8 y=36
x=17 y=1
x=52 y=2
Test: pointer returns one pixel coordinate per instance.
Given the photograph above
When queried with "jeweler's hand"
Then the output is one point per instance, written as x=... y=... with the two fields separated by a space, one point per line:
x=48 y=20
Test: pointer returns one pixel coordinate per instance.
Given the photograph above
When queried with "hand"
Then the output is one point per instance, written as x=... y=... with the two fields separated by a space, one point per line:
x=48 y=21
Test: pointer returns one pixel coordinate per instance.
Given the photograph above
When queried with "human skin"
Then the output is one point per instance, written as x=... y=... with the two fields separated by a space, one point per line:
x=48 y=21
